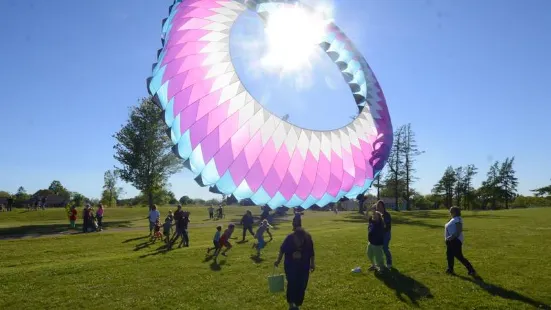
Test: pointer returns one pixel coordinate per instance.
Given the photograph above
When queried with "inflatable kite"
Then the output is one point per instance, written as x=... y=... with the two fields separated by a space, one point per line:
x=234 y=145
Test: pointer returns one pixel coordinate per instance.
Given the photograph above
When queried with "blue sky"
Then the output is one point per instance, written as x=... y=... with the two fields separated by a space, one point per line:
x=471 y=76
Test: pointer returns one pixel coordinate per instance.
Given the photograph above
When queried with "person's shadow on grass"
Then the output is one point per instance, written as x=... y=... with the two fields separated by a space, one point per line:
x=404 y=285
x=256 y=259
x=504 y=293
x=160 y=250
x=134 y=239
x=217 y=266
x=142 y=245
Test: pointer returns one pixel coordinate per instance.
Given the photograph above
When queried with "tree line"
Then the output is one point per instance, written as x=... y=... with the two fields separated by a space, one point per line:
x=455 y=187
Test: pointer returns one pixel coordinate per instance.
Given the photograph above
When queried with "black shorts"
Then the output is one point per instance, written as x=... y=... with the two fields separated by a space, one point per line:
x=216 y=244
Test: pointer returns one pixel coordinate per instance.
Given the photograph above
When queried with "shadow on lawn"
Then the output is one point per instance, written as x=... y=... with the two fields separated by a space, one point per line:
x=160 y=250
x=214 y=265
x=505 y=293
x=404 y=285
x=52 y=229
x=134 y=239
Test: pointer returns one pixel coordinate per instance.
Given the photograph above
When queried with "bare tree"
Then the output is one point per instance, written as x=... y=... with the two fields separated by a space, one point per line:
x=395 y=176
x=410 y=152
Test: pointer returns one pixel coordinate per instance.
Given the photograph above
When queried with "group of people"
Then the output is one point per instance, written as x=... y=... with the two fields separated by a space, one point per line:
x=379 y=236
x=8 y=206
x=180 y=220
x=219 y=212
x=297 y=250
x=92 y=220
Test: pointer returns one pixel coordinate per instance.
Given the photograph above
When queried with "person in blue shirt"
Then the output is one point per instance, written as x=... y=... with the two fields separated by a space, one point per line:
x=387 y=235
x=216 y=240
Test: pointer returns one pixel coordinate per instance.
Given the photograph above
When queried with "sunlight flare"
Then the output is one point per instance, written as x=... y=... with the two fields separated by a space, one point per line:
x=293 y=34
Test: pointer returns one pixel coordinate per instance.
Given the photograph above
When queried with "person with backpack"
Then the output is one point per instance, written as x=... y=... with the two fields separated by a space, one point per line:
x=298 y=250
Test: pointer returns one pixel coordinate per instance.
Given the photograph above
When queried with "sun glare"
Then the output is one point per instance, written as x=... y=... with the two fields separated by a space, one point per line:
x=293 y=34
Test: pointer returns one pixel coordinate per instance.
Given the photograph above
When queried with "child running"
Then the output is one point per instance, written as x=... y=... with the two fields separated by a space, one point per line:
x=375 y=238
x=157 y=231
x=261 y=243
x=167 y=226
x=225 y=241
x=216 y=240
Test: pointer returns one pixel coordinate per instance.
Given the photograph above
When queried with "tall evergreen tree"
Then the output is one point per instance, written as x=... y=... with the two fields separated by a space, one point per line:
x=446 y=186
x=508 y=181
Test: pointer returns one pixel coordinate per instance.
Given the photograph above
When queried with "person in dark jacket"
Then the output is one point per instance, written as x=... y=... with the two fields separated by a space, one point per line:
x=297 y=219
x=247 y=222
x=386 y=237
x=375 y=236
x=298 y=249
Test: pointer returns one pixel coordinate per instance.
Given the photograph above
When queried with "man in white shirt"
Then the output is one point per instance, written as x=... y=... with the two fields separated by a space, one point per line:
x=154 y=215
x=453 y=233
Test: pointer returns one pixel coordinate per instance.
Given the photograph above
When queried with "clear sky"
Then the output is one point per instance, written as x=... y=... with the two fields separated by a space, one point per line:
x=471 y=76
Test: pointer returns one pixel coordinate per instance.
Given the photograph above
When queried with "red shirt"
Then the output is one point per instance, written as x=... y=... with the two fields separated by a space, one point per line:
x=73 y=216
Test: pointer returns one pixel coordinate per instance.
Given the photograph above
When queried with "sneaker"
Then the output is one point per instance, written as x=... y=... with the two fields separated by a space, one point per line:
x=450 y=272
x=372 y=267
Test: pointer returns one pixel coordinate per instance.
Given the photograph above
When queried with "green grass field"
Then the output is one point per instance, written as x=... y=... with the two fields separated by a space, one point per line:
x=118 y=269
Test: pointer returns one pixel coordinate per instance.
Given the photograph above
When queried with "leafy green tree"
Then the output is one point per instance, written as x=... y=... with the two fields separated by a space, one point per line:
x=143 y=150
x=111 y=192
x=4 y=194
x=78 y=199
x=542 y=191
x=59 y=190
x=508 y=181
x=185 y=200
x=467 y=185
x=445 y=186
x=490 y=191
x=21 y=195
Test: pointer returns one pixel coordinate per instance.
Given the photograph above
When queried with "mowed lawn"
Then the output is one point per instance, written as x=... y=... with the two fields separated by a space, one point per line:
x=119 y=269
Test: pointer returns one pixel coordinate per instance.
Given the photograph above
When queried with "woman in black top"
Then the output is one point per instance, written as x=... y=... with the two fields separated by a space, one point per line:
x=298 y=249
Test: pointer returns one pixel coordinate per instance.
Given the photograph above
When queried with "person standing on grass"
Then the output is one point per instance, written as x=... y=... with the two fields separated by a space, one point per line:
x=167 y=226
x=10 y=203
x=85 y=218
x=298 y=249
x=387 y=235
x=183 y=229
x=247 y=222
x=453 y=233
x=178 y=217
x=99 y=217
x=73 y=216
x=211 y=212
x=375 y=237
x=297 y=219
x=154 y=215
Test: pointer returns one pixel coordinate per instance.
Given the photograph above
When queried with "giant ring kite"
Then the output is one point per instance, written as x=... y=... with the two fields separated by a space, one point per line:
x=234 y=145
